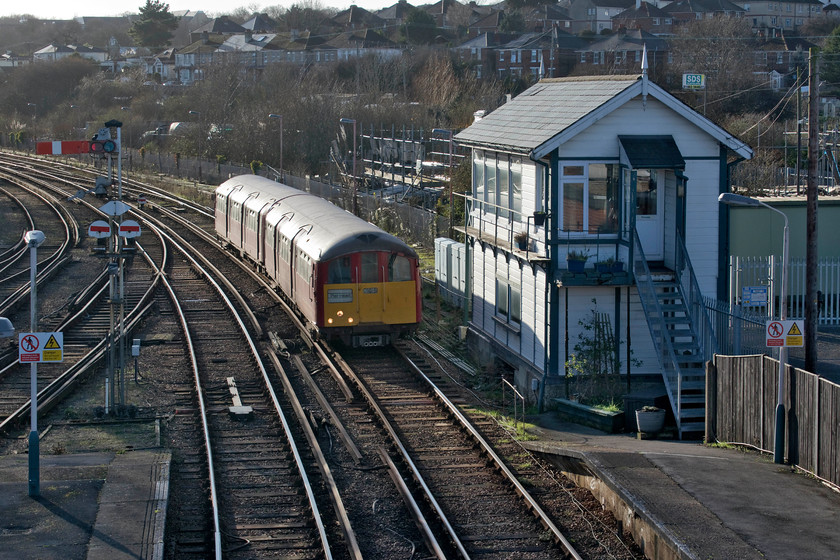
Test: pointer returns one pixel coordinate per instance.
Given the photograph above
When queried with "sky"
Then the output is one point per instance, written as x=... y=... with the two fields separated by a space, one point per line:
x=64 y=9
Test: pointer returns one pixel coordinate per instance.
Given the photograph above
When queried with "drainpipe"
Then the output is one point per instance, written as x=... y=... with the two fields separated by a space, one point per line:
x=549 y=281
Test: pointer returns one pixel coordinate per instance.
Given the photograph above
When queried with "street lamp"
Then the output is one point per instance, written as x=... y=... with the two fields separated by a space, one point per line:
x=275 y=116
x=731 y=199
x=200 y=132
x=34 y=239
x=353 y=122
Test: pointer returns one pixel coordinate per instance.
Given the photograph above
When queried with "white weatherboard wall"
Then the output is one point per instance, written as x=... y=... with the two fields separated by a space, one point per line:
x=527 y=338
x=580 y=309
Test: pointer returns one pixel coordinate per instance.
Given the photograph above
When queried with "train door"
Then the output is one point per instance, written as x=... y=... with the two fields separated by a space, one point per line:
x=370 y=293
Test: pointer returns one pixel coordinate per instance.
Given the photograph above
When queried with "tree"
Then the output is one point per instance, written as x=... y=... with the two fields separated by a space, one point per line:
x=155 y=26
x=830 y=70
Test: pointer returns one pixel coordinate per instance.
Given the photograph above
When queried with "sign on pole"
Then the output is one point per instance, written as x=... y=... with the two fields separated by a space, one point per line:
x=129 y=229
x=694 y=81
x=99 y=229
x=754 y=296
x=785 y=333
x=41 y=347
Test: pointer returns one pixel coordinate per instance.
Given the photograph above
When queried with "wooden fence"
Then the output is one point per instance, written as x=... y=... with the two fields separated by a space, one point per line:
x=742 y=392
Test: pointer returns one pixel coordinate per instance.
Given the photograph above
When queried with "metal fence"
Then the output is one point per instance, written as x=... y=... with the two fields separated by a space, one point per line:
x=742 y=392
x=766 y=272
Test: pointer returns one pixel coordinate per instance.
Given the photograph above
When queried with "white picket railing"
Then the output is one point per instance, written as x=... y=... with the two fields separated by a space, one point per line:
x=767 y=272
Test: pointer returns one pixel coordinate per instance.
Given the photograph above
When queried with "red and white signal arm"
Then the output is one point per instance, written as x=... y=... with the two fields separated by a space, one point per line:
x=99 y=229
x=129 y=229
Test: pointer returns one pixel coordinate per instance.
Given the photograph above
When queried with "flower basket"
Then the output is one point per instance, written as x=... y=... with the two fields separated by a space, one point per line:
x=650 y=419
x=576 y=266
x=521 y=240
x=617 y=267
x=603 y=267
x=539 y=218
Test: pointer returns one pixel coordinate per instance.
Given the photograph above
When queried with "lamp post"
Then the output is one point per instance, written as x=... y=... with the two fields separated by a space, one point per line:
x=353 y=122
x=34 y=239
x=731 y=199
x=200 y=132
x=275 y=116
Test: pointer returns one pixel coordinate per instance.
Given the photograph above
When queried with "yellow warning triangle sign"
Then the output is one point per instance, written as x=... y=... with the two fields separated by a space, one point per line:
x=52 y=343
x=794 y=330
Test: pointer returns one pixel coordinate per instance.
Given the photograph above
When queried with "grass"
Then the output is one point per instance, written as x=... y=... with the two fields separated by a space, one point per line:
x=611 y=406
x=517 y=429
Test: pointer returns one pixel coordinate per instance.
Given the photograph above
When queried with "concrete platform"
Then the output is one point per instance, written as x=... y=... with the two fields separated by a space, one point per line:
x=103 y=506
x=690 y=501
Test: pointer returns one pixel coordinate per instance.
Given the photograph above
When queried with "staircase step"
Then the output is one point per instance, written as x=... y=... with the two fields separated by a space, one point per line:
x=693 y=399
x=692 y=427
x=693 y=385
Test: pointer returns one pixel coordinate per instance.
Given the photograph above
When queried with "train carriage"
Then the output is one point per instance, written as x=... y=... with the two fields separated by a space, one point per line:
x=348 y=278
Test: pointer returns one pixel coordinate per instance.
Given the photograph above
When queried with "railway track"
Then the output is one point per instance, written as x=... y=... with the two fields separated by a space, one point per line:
x=368 y=491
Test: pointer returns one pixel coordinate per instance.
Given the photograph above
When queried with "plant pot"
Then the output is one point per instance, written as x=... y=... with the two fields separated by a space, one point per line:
x=576 y=266
x=539 y=218
x=603 y=268
x=522 y=244
x=617 y=267
x=650 y=422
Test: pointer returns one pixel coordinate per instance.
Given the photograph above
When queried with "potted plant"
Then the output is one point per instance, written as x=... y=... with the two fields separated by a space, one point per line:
x=617 y=267
x=650 y=419
x=521 y=240
x=576 y=260
x=539 y=217
x=605 y=266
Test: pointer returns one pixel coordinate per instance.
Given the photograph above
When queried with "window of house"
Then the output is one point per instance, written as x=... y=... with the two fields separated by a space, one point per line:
x=772 y=21
x=787 y=22
x=583 y=58
x=668 y=21
x=501 y=56
x=508 y=301
x=590 y=198
x=746 y=7
x=787 y=7
x=534 y=56
x=780 y=58
x=656 y=21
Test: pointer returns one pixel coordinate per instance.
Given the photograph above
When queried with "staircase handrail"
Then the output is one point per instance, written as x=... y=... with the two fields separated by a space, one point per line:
x=701 y=324
x=658 y=328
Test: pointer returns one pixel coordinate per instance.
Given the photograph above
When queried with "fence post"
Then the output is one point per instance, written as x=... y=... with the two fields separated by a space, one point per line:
x=711 y=402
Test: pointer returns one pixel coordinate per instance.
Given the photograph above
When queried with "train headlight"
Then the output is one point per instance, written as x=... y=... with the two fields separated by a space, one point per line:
x=329 y=321
x=349 y=319
x=340 y=313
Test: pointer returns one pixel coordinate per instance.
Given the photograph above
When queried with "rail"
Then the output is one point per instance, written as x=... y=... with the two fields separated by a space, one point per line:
x=701 y=325
x=658 y=327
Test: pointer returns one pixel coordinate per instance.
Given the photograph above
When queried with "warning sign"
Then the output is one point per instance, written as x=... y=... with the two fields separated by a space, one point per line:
x=785 y=333
x=41 y=347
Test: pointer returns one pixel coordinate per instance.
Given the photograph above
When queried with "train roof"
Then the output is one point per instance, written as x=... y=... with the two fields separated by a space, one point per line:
x=330 y=231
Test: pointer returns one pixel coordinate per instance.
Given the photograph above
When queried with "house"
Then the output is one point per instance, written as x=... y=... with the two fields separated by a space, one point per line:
x=595 y=15
x=685 y=11
x=624 y=50
x=614 y=167
x=53 y=53
x=647 y=17
x=548 y=54
x=790 y=15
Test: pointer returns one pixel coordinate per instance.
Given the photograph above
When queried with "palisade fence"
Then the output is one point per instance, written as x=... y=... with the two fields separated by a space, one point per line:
x=766 y=272
x=742 y=392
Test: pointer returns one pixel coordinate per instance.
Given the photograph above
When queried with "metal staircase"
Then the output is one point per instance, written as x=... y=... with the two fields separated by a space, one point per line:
x=681 y=332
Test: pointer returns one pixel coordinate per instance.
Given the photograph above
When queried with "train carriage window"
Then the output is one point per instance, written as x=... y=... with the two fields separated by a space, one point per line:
x=399 y=269
x=220 y=203
x=339 y=271
x=304 y=267
x=370 y=267
x=285 y=248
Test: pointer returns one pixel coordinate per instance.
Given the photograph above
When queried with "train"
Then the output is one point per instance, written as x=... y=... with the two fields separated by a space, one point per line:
x=348 y=279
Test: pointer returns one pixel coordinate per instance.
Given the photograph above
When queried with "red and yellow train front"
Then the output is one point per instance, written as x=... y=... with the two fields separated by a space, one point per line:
x=369 y=296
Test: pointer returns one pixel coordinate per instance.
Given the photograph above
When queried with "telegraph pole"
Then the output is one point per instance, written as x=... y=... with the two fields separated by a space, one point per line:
x=811 y=305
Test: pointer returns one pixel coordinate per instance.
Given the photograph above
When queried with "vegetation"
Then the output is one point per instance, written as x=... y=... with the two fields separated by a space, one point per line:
x=155 y=26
